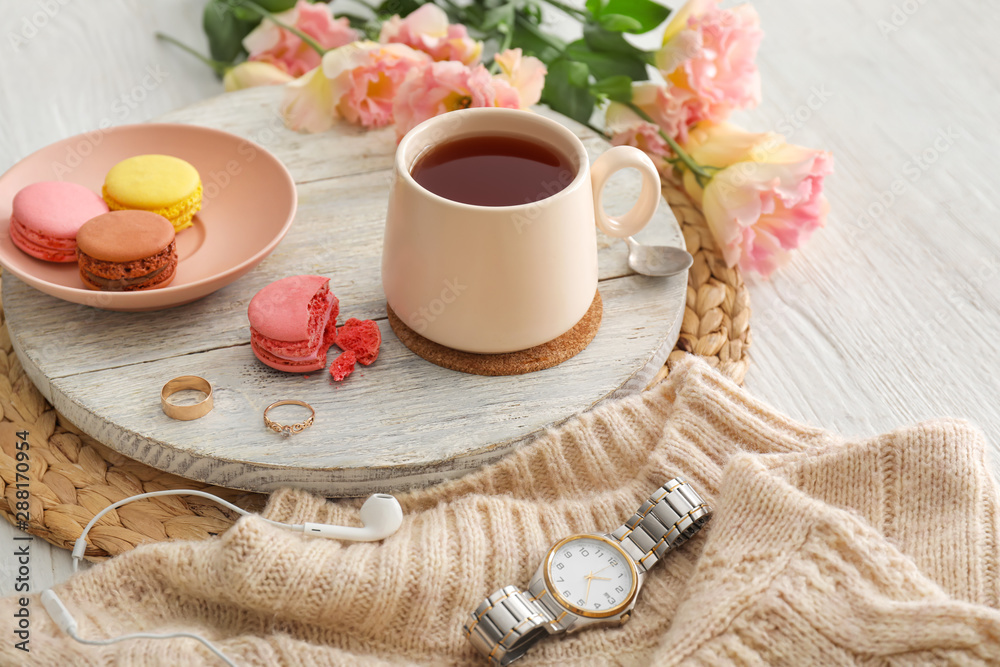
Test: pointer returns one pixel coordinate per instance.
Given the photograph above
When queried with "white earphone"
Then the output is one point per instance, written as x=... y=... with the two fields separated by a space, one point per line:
x=381 y=516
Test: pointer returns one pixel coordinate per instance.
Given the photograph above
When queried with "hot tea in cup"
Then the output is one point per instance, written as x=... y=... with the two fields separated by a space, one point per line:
x=493 y=170
x=490 y=243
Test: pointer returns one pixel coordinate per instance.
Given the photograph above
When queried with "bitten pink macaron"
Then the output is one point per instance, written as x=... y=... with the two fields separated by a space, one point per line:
x=293 y=322
x=46 y=216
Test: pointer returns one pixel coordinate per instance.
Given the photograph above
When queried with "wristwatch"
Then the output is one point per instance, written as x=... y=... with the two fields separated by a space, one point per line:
x=587 y=580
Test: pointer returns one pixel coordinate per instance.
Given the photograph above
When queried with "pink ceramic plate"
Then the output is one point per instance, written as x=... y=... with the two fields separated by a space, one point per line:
x=248 y=206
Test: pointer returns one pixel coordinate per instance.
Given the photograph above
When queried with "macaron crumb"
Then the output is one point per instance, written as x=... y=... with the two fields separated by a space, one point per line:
x=343 y=365
x=362 y=337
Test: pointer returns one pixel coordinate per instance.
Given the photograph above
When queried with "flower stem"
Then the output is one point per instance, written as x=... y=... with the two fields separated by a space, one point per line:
x=700 y=172
x=598 y=130
x=530 y=27
x=219 y=66
x=250 y=4
x=508 y=37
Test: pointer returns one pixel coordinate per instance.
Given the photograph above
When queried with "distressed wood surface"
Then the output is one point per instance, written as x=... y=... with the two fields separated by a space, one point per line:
x=398 y=423
x=889 y=315
x=879 y=321
x=72 y=71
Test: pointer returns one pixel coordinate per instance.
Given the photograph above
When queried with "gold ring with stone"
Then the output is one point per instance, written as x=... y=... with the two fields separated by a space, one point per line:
x=293 y=428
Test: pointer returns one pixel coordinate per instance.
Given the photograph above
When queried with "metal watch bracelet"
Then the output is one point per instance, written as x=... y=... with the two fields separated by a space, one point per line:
x=510 y=621
x=506 y=624
x=665 y=521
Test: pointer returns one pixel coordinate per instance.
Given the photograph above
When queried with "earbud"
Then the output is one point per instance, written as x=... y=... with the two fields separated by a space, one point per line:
x=381 y=516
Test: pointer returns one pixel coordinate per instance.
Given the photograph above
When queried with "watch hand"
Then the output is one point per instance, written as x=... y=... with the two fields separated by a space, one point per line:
x=601 y=570
x=592 y=577
x=586 y=597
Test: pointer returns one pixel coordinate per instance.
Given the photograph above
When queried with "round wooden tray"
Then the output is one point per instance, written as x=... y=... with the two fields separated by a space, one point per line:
x=399 y=423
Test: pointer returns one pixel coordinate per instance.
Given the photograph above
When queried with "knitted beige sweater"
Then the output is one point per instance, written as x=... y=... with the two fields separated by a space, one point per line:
x=821 y=551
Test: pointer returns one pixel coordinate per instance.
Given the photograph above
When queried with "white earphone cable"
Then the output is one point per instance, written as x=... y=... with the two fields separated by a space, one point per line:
x=381 y=516
x=64 y=619
x=80 y=546
x=146 y=635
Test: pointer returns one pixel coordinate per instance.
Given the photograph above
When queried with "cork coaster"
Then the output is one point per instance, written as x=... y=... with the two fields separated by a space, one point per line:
x=533 y=359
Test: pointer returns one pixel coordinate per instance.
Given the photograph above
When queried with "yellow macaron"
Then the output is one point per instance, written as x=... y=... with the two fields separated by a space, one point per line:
x=163 y=184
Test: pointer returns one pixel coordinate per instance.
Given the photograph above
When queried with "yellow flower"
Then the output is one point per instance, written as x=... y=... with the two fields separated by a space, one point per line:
x=252 y=73
x=309 y=103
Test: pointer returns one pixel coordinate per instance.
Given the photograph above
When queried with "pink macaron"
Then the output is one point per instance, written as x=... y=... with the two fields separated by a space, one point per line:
x=46 y=216
x=293 y=322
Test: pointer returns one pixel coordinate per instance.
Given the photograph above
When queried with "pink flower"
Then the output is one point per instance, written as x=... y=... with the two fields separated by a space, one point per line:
x=250 y=74
x=672 y=108
x=447 y=86
x=365 y=77
x=271 y=44
x=357 y=81
x=628 y=129
x=707 y=60
x=768 y=198
x=427 y=29
x=525 y=74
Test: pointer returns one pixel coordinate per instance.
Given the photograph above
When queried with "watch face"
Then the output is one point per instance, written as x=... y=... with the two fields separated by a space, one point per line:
x=591 y=575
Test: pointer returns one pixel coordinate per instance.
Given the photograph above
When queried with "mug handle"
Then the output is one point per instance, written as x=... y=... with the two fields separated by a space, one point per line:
x=615 y=159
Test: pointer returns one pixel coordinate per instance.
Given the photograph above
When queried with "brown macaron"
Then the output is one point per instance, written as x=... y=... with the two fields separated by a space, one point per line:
x=126 y=251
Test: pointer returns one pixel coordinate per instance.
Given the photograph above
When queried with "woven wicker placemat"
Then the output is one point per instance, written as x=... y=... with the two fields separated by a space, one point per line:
x=72 y=476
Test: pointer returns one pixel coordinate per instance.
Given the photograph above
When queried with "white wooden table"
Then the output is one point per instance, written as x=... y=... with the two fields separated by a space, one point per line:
x=886 y=317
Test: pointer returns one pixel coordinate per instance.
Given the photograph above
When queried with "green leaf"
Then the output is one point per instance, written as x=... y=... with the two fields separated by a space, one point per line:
x=617 y=88
x=504 y=14
x=276 y=6
x=600 y=39
x=530 y=39
x=604 y=65
x=532 y=11
x=620 y=23
x=473 y=17
x=401 y=7
x=647 y=13
x=561 y=93
x=595 y=7
x=245 y=13
x=358 y=22
x=578 y=74
x=225 y=31
x=532 y=46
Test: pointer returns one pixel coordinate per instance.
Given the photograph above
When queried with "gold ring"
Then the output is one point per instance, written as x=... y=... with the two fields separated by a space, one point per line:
x=186 y=412
x=294 y=428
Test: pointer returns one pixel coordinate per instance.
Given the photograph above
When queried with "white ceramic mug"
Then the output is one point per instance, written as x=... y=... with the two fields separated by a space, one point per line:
x=492 y=279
